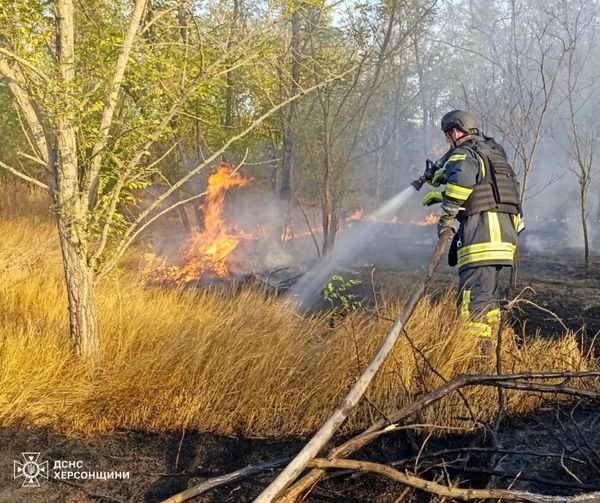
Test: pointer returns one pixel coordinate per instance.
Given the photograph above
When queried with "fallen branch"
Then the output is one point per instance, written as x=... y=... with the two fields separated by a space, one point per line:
x=221 y=480
x=386 y=425
x=445 y=491
x=381 y=427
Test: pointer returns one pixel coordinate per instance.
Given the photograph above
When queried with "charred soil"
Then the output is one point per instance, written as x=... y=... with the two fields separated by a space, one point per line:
x=554 y=452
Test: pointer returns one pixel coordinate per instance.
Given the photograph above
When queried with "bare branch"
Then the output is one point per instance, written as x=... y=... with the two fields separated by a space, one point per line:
x=23 y=176
x=16 y=84
x=380 y=428
x=91 y=182
x=134 y=229
x=445 y=491
x=149 y=221
x=209 y=484
x=24 y=62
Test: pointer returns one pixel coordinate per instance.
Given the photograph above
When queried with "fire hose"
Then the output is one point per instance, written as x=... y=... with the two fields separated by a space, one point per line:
x=318 y=441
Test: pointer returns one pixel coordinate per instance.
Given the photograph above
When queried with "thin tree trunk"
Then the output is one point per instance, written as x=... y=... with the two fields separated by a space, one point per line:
x=421 y=75
x=329 y=216
x=285 y=190
x=79 y=277
x=325 y=212
x=185 y=221
x=379 y=176
x=229 y=89
x=586 y=243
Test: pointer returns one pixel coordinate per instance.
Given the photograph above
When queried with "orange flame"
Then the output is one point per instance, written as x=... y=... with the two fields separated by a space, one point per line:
x=206 y=252
x=358 y=215
x=430 y=219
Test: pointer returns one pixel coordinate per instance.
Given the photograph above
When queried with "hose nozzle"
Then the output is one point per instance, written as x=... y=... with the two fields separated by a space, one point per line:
x=418 y=183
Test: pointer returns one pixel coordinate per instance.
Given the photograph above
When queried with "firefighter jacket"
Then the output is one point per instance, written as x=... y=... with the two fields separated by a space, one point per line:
x=488 y=229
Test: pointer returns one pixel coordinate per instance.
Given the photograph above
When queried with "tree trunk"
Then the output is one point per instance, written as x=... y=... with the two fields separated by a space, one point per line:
x=329 y=216
x=79 y=277
x=70 y=203
x=379 y=175
x=288 y=138
x=421 y=75
x=185 y=221
x=229 y=88
x=586 y=244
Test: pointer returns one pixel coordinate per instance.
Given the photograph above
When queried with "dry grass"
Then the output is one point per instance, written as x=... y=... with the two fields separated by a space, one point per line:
x=232 y=364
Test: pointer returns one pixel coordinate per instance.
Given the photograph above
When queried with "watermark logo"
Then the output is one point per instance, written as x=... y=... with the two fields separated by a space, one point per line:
x=31 y=469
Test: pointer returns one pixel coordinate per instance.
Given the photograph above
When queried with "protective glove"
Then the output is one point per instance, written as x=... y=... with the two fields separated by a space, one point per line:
x=432 y=198
x=439 y=178
x=447 y=222
x=519 y=222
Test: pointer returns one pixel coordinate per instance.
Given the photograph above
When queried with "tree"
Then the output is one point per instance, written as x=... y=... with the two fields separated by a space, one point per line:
x=52 y=122
x=517 y=60
x=579 y=111
x=99 y=94
x=345 y=112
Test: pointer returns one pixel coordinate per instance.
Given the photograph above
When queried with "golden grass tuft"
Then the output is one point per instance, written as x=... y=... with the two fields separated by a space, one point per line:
x=235 y=364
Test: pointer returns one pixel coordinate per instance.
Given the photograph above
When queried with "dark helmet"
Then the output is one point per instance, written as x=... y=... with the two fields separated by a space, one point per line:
x=460 y=119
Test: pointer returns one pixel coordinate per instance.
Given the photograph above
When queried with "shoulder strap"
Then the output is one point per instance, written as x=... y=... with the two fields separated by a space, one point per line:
x=473 y=147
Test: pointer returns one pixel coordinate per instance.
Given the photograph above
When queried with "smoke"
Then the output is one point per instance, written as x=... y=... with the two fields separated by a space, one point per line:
x=261 y=214
x=349 y=247
x=552 y=205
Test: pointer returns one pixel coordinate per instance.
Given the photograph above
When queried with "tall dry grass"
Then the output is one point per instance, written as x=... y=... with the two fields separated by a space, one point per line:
x=217 y=361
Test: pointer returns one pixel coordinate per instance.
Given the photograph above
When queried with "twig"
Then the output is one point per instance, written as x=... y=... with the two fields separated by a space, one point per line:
x=584 y=452
x=221 y=480
x=23 y=176
x=518 y=300
x=445 y=491
x=591 y=449
x=179 y=446
x=310 y=229
x=495 y=432
x=566 y=469
x=441 y=376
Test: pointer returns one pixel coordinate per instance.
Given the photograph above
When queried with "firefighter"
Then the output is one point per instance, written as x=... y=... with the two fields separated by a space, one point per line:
x=481 y=204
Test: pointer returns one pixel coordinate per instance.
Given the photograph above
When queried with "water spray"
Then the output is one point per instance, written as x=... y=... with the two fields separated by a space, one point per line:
x=348 y=245
x=355 y=239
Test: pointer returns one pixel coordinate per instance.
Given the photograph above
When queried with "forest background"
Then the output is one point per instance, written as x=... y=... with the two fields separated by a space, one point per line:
x=330 y=106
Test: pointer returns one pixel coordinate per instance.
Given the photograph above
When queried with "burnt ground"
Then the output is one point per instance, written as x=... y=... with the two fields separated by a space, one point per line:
x=162 y=464
x=550 y=275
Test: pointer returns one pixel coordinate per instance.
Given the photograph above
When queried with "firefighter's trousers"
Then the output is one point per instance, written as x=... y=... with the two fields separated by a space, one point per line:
x=477 y=299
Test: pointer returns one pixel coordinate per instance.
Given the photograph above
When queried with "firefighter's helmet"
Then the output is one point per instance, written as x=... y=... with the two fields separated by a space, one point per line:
x=460 y=119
